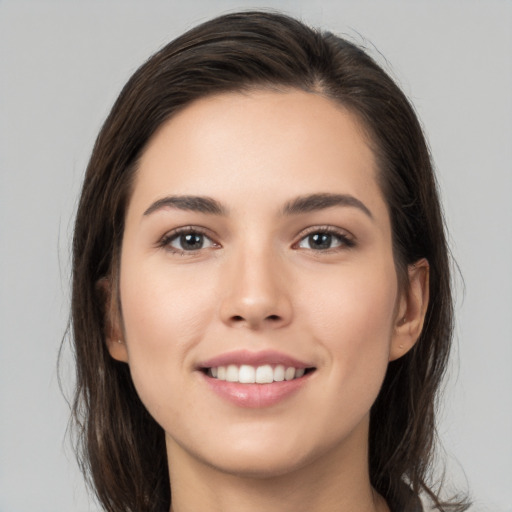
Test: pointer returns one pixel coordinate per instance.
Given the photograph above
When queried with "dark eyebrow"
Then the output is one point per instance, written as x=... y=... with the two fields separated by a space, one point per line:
x=200 y=204
x=313 y=202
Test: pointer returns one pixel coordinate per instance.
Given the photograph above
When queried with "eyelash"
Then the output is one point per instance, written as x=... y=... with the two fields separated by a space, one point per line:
x=168 y=238
x=345 y=241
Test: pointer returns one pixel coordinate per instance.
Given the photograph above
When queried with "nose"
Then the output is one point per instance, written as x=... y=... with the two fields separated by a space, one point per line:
x=257 y=292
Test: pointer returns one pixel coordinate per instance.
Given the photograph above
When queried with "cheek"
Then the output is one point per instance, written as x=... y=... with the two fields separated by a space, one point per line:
x=161 y=304
x=353 y=319
x=165 y=314
x=352 y=307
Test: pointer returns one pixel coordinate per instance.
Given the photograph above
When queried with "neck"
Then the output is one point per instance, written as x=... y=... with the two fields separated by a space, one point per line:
x=335 y=481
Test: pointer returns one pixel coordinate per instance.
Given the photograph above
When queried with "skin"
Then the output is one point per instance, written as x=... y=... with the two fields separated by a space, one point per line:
x=258 y=284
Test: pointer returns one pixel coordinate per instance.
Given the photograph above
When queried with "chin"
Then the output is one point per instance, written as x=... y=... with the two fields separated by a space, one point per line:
x=260 y=465
x=262 y=453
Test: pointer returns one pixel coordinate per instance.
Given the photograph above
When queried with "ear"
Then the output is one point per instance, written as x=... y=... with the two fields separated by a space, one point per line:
x=411 y=310
x=113 y=328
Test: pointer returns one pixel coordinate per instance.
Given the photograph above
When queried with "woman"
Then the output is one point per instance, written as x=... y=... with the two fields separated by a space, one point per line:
x=261 y=291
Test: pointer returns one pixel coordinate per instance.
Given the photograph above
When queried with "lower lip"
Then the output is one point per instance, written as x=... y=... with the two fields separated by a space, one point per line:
x=255 y=395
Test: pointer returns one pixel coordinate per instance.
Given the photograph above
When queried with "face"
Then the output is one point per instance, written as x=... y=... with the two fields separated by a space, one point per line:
x=259 y=296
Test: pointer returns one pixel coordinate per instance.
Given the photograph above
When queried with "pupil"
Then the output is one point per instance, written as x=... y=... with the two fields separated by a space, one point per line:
x=320 y=241
x=191 y=241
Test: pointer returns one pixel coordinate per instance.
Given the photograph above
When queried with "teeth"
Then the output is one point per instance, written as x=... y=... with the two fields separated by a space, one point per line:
x=232 y=373
x=264 y=374
x=246 y=374
x=289 y=374
x=279 y=373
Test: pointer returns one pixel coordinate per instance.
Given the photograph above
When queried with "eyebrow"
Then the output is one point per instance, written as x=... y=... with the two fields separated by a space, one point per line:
x=201 y=204
x=299 y=205
x=315 y=202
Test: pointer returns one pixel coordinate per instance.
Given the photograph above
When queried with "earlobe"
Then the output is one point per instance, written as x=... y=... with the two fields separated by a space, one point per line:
x=117 y=349
x=411 y=311
x=113 y=334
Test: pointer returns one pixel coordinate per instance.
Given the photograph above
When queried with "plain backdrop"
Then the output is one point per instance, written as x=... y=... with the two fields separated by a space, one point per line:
x=62 y=64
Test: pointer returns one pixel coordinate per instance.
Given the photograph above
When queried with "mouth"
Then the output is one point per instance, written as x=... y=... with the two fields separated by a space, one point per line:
x=256 y=380
x=262 y=374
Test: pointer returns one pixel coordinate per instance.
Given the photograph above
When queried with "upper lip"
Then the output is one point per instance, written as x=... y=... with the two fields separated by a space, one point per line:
x=239 y=357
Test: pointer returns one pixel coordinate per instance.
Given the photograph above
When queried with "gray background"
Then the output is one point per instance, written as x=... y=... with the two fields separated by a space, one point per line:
x=61 y=66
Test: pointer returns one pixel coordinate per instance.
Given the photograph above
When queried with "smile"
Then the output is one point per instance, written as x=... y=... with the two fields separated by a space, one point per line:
x=255 y=379
x=247 y=374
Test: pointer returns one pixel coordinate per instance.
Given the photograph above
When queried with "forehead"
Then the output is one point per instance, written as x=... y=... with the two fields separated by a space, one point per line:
x=239 y=144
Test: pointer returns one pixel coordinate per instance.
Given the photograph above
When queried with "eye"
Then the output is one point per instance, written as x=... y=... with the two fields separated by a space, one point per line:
x=322 y=240
x=186 y=240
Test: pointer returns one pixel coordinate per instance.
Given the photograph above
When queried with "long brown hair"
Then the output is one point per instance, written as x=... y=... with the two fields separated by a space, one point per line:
x=119 y=445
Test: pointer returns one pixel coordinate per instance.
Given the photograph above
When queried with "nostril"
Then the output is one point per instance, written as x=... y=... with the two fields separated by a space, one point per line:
x=256 y=321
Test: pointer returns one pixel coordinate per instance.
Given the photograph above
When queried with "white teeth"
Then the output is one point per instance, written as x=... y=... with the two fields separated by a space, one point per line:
x=279 y=373
x=232 y=373
x=264 y=374
x=247 y=374
x=289 y=374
